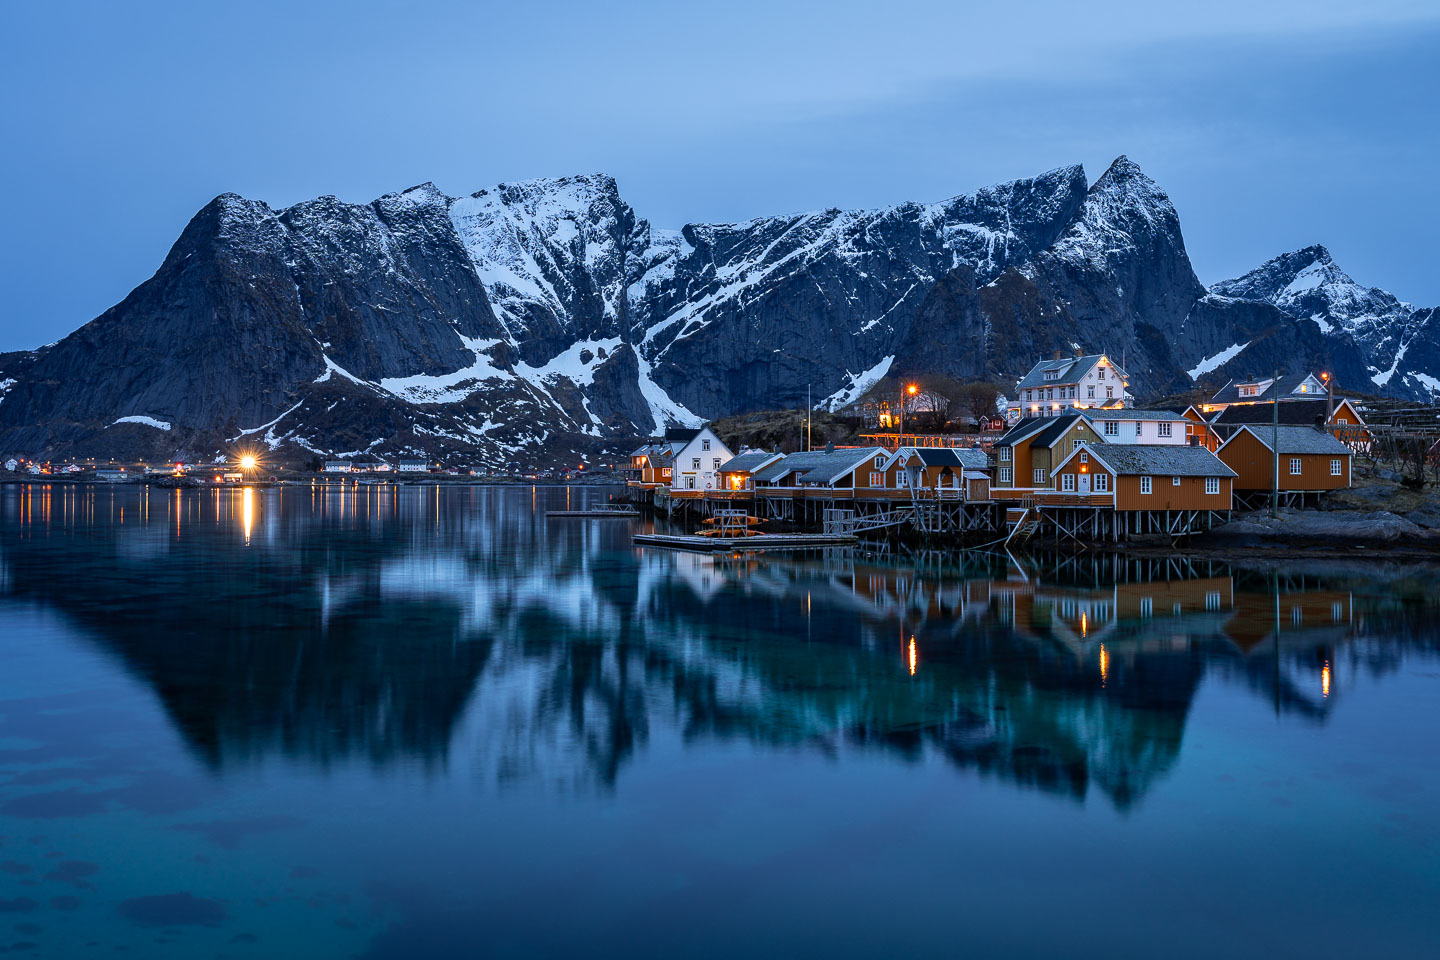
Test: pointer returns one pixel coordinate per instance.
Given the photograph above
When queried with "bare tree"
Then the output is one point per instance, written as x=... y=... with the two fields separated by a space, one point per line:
x=979 y=399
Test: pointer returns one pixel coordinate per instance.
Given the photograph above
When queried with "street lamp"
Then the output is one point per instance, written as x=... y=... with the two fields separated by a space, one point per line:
x=911 y=389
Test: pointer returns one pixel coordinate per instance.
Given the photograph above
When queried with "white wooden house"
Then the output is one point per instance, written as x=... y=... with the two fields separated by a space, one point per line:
x=1064 y=384
x=696 y=456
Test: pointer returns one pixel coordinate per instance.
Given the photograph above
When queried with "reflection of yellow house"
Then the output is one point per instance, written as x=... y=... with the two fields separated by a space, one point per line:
x=1258 y=617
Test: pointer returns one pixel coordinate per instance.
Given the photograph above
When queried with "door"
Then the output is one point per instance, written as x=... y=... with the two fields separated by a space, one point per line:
x=1083 y=482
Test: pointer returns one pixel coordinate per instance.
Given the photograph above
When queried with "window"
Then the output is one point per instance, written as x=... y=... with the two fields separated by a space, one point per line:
x=1247 y=391
x=1050 y=394
x=1212 y=600
x=717 y=463
x=1212 y=485
x=695 y=463
x=1147 y=606
x=1052 y=374
x=1294 y=466
x=877 y=479
x=1029 y=394
x=1004 y=474
x=1112 y=428
x=1335 y=470
x=1067 y=482
x=1144 y=484
x=1084 y=457
x=1174 y=481
x=1110 y=392
x=902 y=479
x=1102 y=373
x=1138 y=426
x=1039 y=475
x=1090 y=394
x=704 y=444
x=879 y=463
x=1004 y=454
x=1163 y=429
x=1102 y=483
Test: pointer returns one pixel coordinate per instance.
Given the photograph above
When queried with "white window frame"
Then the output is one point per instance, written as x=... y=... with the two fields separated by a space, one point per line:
x=1067 y=482
x=1212 y=485
x=879 y=463
x=704 y=444
x=1138 y=425
x=1004 y=454
x=1174 y=481
x=1004 y=474
x=1090 y=391
x=1295 y=466
x=716 y=461
x=877 y=479
x=1102 y=483
x=1163 y=429
x=1336 y=468
x=1112 y=428
x=1038 y=475
x=1145 y=485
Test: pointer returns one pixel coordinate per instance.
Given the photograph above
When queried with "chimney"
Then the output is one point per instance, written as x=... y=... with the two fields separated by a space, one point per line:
x=830 y=447
x=1058 y=354
x=1079 y=353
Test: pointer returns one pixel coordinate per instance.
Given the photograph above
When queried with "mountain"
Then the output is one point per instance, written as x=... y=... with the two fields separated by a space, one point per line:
x=1369 y=337
x=545 y=322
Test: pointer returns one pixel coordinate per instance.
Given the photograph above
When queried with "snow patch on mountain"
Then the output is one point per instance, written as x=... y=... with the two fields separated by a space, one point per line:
x=663 y=410
x=449 y=387
x=1217 y=361
x=857 y=385
x=144 y=421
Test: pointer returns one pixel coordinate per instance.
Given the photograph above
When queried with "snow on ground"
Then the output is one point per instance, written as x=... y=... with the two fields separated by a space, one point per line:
x=859 y=383
x=1382 y=378
x=663 y=410
x=1219 y=360
x=448 y=387
x=1427 y=381
x=145 y=421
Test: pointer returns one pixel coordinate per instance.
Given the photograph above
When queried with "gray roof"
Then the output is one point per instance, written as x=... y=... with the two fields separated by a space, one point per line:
x=1159 y=460
x=748 y=462
x=1287 y=385
x=1025 y=427
x=1298 y=439
x=1131 y=414
x=1071 y=370
x=841 y=462
x=1304 y=413
x=962 y=456
x=817 y=466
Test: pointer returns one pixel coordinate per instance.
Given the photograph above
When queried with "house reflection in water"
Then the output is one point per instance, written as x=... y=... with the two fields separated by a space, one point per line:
x=375 y=625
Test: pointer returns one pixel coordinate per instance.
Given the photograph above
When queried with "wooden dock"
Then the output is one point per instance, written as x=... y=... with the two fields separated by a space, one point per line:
x=763 y=541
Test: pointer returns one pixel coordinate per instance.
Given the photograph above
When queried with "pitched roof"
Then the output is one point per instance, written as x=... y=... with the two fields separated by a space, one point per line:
x=1304 y=413
x=836 y=464
x=1056 y=430
x=1031 y=429
x=1158 y=459
x=1070 y=369
x=749 y=461
x=1286 y=386
x=681 y=435
x=802 y=462
x=1294 y=440
x=1132 y=414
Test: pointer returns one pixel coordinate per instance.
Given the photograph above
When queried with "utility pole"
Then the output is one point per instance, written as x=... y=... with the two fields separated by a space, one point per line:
x=900 y=437
x=809 y=416
x=1329 y=396
x=1275 y=453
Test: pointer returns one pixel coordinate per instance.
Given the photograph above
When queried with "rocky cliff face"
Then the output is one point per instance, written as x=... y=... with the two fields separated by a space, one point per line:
x=547 y=318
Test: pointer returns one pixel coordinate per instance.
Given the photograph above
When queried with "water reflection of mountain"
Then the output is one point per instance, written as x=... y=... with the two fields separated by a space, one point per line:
x=387 y=624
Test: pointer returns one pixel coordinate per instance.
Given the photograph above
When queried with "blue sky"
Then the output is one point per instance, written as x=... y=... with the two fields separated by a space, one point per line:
x=1272 y=125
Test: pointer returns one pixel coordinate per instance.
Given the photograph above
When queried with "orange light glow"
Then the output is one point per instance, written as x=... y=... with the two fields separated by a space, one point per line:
x=1084 y=626
x=912 y=389
x=1325 y=680
x=1104 y=665
x=912 y=656
x=247 y=511
x=247 y=462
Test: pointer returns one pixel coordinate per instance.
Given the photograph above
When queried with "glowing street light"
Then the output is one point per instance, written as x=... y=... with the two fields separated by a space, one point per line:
x=247 y=462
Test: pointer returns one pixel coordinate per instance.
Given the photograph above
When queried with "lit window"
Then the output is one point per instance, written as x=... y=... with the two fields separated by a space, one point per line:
x=1144 y=484
x=1212 y=485
x=877 y=479
x=1294 y=466
x=1335 y=469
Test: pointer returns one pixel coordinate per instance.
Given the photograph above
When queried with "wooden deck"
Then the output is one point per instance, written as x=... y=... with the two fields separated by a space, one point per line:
x=764 y=541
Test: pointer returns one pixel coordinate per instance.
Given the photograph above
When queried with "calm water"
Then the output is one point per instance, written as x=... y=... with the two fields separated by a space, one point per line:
x=431 y=723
